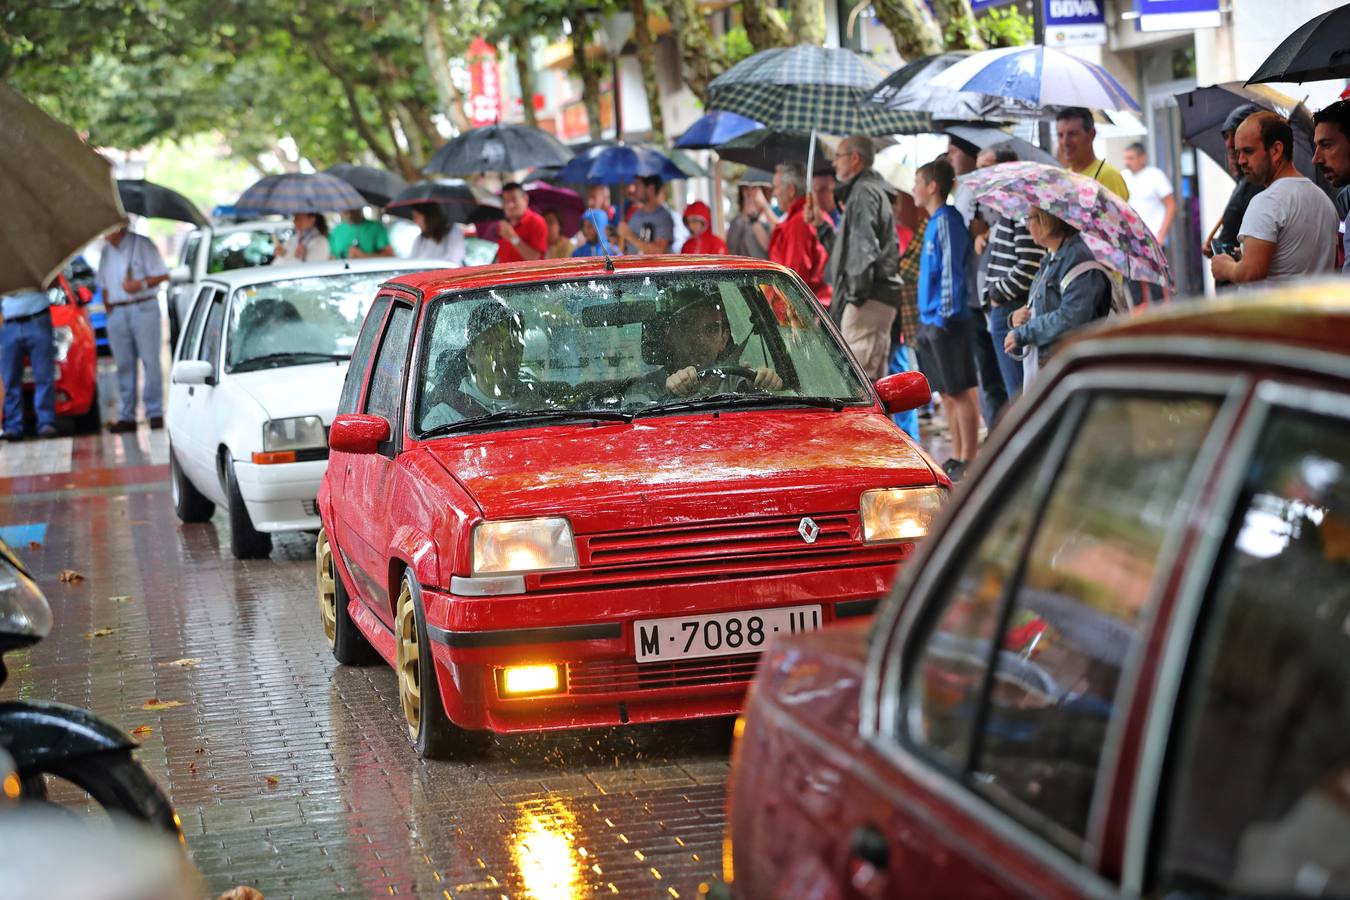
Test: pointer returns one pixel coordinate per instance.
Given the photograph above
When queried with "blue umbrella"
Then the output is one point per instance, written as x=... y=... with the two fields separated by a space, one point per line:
x=617 y=164
x=1038 y=75
x=716 y=127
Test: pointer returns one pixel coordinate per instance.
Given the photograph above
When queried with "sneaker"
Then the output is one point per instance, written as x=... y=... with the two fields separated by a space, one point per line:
x=13 y=436
x=48 y=431
x=950 y=465
x=156 y=422
x=957 y=470
x=122 y=426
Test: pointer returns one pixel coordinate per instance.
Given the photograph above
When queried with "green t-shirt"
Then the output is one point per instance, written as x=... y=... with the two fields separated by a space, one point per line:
x=370 y=236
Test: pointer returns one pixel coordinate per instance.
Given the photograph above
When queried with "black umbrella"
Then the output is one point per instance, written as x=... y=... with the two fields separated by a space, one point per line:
x=1319 y=50
x=987 y=137
x=1204 y=110
x=764 y=149
x=155 y=201
x=498 y=148
x=376 y=185
x=461 y=201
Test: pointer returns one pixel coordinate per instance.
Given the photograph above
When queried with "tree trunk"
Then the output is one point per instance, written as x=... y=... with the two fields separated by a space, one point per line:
x=590 y=73
x=646 y=54
x=914 y=32
x=956 y=22
x=449 y=98
x=808 y=21
x=391 y=161
x=764 y=25
x=520 y=49
x=701 y=56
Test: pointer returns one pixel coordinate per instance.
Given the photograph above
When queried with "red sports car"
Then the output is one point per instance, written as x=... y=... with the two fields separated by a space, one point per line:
x=1120 y=666
x=583 y=493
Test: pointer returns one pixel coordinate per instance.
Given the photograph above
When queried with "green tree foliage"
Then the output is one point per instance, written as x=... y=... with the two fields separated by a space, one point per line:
x=1006 y=27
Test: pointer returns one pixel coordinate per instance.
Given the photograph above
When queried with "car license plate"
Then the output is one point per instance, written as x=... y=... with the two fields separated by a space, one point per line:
x=722 y=634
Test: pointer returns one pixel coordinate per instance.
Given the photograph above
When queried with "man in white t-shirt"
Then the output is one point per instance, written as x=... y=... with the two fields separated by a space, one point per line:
x=1150 y=192
x=1289 y=229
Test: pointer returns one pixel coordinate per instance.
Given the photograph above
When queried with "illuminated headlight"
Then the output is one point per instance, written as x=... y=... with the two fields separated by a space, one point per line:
x=300 y=433
x=900 y=514
x=62 y=338
x=523 y=545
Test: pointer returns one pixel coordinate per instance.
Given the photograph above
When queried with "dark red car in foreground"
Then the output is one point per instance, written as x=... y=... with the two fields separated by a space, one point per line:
x=1120 y=666
x=583 y=493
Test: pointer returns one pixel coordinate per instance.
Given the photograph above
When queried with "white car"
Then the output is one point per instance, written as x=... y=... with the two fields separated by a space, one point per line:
x=254 y=386
x=212 y=249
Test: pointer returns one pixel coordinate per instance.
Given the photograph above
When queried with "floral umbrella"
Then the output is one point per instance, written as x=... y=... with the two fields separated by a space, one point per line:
x=1112 y=230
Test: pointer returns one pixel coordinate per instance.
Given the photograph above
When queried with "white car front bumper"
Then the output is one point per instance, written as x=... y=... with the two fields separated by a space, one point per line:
x=281 y=497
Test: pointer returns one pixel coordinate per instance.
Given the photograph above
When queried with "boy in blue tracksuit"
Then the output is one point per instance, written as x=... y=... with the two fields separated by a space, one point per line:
x=595 y=242
x=944 y=343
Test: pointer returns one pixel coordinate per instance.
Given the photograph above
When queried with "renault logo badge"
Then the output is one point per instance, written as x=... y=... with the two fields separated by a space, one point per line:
x=808 y=529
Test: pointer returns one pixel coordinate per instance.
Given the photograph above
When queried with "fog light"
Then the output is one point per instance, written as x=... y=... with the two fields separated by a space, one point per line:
x=12 y=786
x=519 y=681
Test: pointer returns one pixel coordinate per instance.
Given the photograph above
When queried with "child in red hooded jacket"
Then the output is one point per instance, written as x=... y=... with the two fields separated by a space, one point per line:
x=698 y=219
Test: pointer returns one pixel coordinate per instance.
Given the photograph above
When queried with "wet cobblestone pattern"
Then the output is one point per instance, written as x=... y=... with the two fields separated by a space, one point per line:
x=295 y=776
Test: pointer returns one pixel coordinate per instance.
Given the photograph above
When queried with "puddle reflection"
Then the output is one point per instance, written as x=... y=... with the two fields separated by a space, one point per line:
x=544 y=850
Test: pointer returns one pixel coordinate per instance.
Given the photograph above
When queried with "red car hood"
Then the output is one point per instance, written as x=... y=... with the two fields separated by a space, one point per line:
x=667 y=470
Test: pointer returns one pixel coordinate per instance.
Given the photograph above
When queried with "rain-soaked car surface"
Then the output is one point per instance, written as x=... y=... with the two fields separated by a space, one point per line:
x=587 y=493
x=1157 y=545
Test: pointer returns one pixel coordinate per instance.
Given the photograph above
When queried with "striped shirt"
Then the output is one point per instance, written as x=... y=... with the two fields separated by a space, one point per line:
x=1014 y=259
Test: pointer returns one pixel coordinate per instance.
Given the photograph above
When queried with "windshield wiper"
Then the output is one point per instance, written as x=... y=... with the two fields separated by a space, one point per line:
x=273 y=360
x=743 y=401
x=511 y=416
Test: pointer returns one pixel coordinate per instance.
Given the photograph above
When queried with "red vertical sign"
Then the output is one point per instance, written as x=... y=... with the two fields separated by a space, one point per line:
x=485 y=86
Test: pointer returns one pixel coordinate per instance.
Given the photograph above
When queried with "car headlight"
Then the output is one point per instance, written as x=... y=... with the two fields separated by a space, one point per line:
x=523 y=545
x=900 y=514
x=62 y=337
x=300 y=433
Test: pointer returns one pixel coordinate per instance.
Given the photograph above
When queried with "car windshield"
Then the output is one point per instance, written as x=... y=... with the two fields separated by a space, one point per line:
x=244 y=249
x=298 y=320
x=629 y=345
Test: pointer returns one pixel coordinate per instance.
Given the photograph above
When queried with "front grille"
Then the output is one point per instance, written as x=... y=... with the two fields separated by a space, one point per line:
x=609 y=676
x=718 y=540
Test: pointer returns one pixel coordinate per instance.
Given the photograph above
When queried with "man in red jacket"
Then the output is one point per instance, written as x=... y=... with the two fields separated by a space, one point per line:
x=524 y=234
x=794 y=242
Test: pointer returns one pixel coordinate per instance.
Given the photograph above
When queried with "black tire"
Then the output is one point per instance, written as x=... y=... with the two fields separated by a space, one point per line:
x=89 y=421
x=113 y=779
x=349 y=645
x=246 y=542
x=188 y=502
x=433 y=735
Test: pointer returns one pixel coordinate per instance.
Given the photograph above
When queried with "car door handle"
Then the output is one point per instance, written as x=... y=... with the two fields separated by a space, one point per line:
x=870 y=846
x=192 y=391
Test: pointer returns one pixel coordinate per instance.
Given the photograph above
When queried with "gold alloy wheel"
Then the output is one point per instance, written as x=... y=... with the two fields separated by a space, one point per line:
x=325 y=576
x=409 y=656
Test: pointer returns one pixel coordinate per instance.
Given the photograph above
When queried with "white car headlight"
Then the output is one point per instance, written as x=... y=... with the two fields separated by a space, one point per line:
x=300 y=433
x=62 y=338
x=900 y=514
x=523 y=545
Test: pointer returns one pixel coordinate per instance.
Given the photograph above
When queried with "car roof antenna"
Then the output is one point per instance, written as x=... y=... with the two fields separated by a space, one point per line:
x=609 y=263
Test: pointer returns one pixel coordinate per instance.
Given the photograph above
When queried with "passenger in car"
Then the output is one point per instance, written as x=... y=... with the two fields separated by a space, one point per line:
x=698 y=334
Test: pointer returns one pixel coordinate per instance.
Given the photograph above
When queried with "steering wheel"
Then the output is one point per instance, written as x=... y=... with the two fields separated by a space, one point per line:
x=745 y=372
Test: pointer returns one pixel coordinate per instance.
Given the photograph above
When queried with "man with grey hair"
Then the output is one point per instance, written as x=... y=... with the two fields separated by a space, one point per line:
x=794 y=243
x=865 y=259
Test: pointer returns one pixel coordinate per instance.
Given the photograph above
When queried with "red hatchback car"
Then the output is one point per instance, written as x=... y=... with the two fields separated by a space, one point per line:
x=585 y=493
x=1121 y=665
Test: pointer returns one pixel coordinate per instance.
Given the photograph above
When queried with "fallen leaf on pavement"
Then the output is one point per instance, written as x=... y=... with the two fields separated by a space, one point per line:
x=70 y=576
x=200 y=750
x=186 y=662
x=99 y=632
x=192 y=767
x=156 y=703
x=120 y=598
x=273 y=781
x=241 y=893
x=141 y=729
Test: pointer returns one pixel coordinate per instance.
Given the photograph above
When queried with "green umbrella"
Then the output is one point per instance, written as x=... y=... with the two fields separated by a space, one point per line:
x=59 y=194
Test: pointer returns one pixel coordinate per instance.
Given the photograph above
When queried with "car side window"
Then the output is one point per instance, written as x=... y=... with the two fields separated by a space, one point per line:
x=187 y=349
x=1257 y=790
x=189 y=254
x=211 y=334
x=360 y=364
x=1069 y=566
x=386 y=381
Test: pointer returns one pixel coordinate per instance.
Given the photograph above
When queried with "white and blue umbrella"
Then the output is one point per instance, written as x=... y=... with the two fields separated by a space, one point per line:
x=1042 y=76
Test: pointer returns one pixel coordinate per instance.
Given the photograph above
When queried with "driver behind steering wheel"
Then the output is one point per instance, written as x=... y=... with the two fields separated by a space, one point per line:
x=698 y=334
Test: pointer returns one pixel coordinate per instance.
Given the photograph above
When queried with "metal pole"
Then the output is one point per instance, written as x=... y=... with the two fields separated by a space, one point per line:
x=618 y=106
x=1038 y=37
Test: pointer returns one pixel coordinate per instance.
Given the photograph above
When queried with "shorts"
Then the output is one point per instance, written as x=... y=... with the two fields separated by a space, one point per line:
x=946 y=356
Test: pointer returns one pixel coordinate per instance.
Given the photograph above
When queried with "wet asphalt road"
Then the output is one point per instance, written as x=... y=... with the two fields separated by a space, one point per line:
x=291 y=774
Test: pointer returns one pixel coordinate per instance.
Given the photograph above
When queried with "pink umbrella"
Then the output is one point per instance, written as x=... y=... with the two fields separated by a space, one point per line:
x=566 y=203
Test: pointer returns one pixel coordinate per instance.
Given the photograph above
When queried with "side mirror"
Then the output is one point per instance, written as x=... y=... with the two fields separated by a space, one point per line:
x=191 y=371
x=904 y=391
x=180 y=275
x=357 y=433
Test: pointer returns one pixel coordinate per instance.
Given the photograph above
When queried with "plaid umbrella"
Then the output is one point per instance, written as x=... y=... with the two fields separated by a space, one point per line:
x=296 y=192
x=807 y=88
x=1110 y=227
